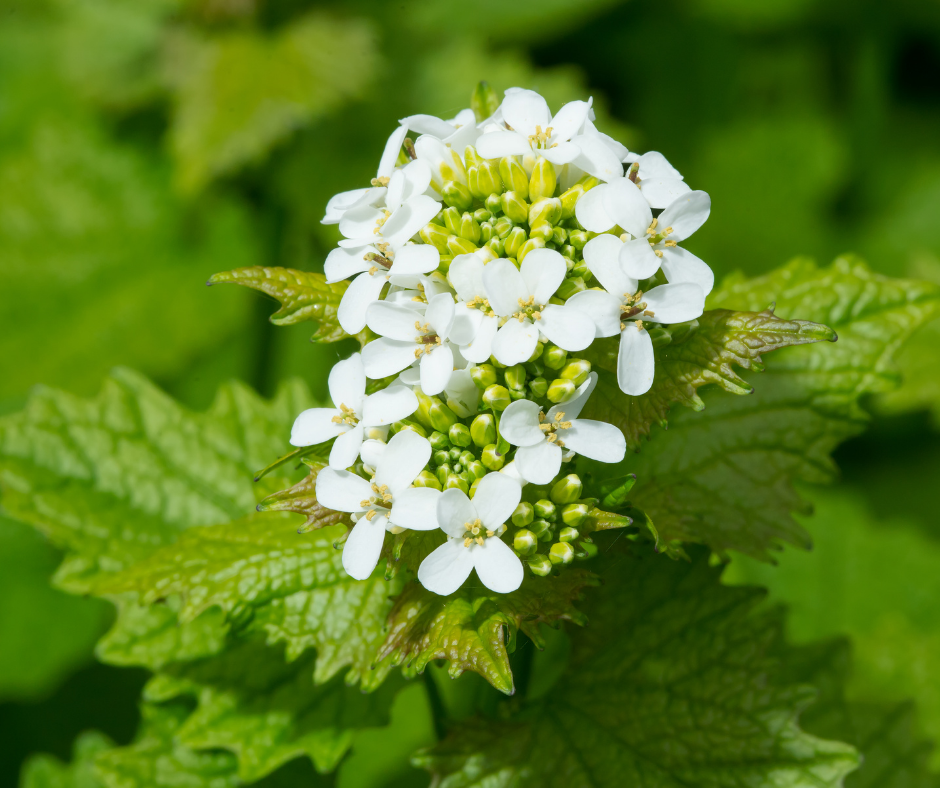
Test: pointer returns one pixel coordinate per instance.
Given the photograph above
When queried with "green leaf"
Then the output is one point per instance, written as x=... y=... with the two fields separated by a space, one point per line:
x=295 y=584
x=114 y=478
x=302 y=499
x=725 y=476
x=702 y=353
x=46 y=771
x=303 y=296
x=671 y=684
x=238 y=94
x=268 y=711
x=470 y=627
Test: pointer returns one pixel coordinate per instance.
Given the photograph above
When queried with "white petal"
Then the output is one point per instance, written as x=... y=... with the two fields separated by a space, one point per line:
x=561 y=153
x=359 y=222
x=371 y=452
x=463 y=396
x=660 y=192
x=434 y=284
x=569 y=119
x=524 y=110
x=628 y=207
x=539 y=464
x=498 y=567
x=597 y=158
x=339 y=204
x=346 y=448
x=362 y=291
x=496 y=498
x=363 y=547
x=654 y=165
x=440 y=313
x=635 y=361
x=315 y=426
x=392 y=149
x=466 y=275
x=342 y=491
x=383 y=357
x=440 y=159
x=602 y=308
x=404 y=458
x=498 y=144
x=638 y=259
x=436 y=369
x=590 y=210
x=416 y=508
x=388 y=405
x=408 y=219
x=428 y=124
x=463 y=117
x=481 y=348
x=415 y=259
x=466 y=135
x=568 y=328
x=347 y=383
x=685 y=215
x=515 y=342
x=619 y=149
x=602 y=256
x=510 y=471
x=596 y=440
x=466 y=324
x=681 y=266
x=572 y=408
x=446 y=569
x=393 y=321
x=543 y=270
x=675 y=303
x=504 y=286
x=342 y=262
x=454 y=509
x=519 y=423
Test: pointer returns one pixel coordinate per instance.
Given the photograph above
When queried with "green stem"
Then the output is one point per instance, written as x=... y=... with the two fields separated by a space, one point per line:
x=436 y=702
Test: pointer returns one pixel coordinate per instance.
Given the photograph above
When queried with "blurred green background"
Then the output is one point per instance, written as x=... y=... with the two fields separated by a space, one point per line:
x=146 y=145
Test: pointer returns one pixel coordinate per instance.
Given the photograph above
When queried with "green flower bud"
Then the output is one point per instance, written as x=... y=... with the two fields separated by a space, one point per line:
x=469 y=228
x=539 y=564
x=471 y=157
x=568 y=534
x=528 y=246
x=482 y=215
x=439 y=441
x=464 y=475
x=585 y=550
x=407 y=424
x=580 y=269
x=459 y=434
x=483 y=375
x=442 y=472
x=525 y=542
x=514 y=241
x=514 y=206
x=561 y=553
x=454 y=454
x=473 y=487
x=483 y=428
x=578 y=238
x=544 y=231
x=466 y=457
x=559 y=235
x=547 y=210
x=497 y=246
x=503 y=226
x=491 y=457
x=489 y=180
x=496 y=397
x=543 y=181
x=566 y=490
x=542 y=529
x=476 y=469
x=576 y=370
x=455 y=481
x=435 y=235
x=524 y=514
x=545 y=510
x=493 y=204
x=574 y=514
x=537 y=353
x=473 y=181
x=484 y=101
x=568 y=251
x=487 y=233
x=457 y=195
x=554 y=357
x=561 y=390
x=539 y=387
x=570 y=199
x=428 y=479
x=514 y=178
x=515 y=376
x=433 y=413
x=440 y=457
x=570 y=286
x=451 y=218
x=458 y=246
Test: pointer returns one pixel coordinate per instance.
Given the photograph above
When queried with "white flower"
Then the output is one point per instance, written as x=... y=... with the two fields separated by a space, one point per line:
x=466 y=275
x=621 y=309
x=660 y=183
x=407 y=336
x=541 y=437
x=458 y=132
x=532 y=129
x=521 y=295
x=353 y=415
x=387 y=503
x=473 y=529
x=344 y=201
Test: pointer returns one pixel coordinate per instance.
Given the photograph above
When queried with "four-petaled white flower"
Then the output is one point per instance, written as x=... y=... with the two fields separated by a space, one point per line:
x=520 y=296
x=353 y=415
x=473 y=529
x=407 y=337
x=542 y=436
x=660 y=183
x=389 y=502
x=466 y=275
x=458 y=133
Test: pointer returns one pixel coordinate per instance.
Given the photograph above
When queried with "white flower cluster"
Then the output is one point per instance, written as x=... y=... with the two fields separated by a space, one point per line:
x=482 y=255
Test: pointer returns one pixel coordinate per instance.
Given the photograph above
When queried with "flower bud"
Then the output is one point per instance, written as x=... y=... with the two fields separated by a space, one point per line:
x=542 y=529
x=525 y=542
x=539 y=387
x=459 y=434
x=539 y=564
x=473 y=181
x=476 y=469
x=457 y=246
x=466 y=457
x=566 y=490
x=439 y=441
x=407 y=424
x=483 y=429
x=545 y=510
x=469 y=228
x=559 y=235
x=561 y=390
x=435 y=235
x=570 y=199
x=568 y=251
x=489 y=180
x=514 y=178
x=484 y=101
x=554 y=357
x=441 y=416
x=455 y=481
x=483 y=375
x=454 y=454
x=576 y=370
x=457 y=195
x=442 y=472
x=491 y=458
x=574 y=514
x=580 y=269
x=503 y=227
x=497 y=247
x=487 y=233
x=544 y=231
x=451 y=217
x=561 y=553
x=493 y=204
x=473 y=487
x=578 y=238
x=547 y=210
x=514 y=206
x=514 y=241
x=524 y=514
x=482 y=215
x=528 y=246
x=515 y=376
x=570 y=286
x=543 y=181
x=440 y=457
x=496 y=397
x=428 y=479
x=568 y=534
